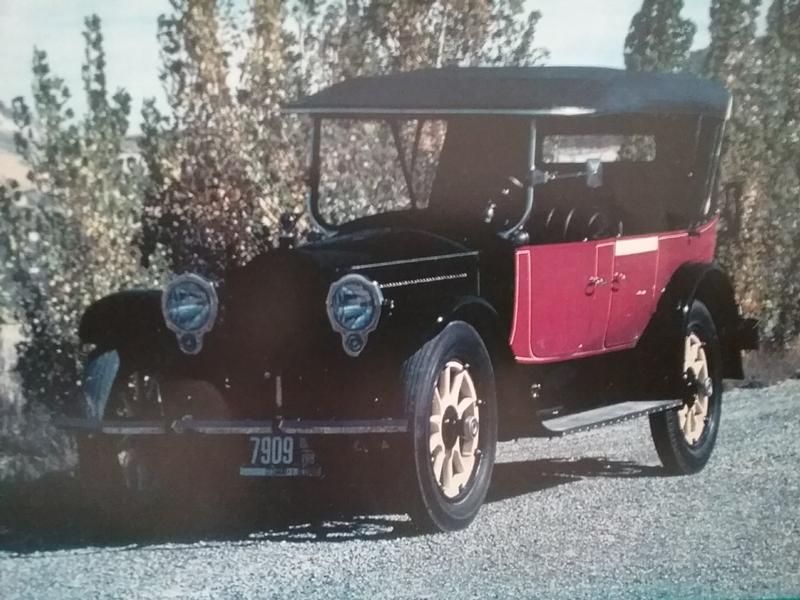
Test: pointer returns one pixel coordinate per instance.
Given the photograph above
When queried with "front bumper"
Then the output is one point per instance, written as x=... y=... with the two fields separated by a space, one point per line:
x=189 y=425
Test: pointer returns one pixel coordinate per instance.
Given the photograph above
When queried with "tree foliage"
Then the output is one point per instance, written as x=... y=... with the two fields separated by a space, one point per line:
x=68 y=240
x=659 y=39
x=224 y=163
x=760 y=178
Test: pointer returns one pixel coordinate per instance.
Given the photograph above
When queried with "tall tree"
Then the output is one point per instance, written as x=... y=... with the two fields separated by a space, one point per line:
x=734 y=59
x=204 y=203
x=760 y=213
x=659 y=39
x=780 y=78
x=68 y=240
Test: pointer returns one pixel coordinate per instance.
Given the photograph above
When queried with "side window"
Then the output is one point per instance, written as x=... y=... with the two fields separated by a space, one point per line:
x=577 y=149
x=651 y=181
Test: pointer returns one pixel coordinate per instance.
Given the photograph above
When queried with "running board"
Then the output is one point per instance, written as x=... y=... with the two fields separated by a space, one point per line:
x=606 y=415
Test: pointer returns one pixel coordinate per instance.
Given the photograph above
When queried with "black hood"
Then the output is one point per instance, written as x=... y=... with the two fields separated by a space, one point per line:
x=343 y=252
x=275 y=305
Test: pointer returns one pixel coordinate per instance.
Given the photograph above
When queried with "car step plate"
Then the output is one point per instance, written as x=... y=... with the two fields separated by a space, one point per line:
x=606 y=415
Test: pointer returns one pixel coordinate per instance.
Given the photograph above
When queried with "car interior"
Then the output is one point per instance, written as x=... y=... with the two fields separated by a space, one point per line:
x=661 y=189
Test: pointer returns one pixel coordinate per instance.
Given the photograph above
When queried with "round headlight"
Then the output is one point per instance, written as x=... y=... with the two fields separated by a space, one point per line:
x=354 y=308
x=189 y=305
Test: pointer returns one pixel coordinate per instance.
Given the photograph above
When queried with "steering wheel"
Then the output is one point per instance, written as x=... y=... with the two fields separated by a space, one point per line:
x=508 y=185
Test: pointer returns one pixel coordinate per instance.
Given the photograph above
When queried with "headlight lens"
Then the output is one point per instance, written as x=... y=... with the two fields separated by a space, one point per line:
x=354 y=308
x=189 y=304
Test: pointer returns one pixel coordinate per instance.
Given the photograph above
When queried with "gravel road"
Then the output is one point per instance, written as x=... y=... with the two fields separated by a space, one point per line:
x=586 y=516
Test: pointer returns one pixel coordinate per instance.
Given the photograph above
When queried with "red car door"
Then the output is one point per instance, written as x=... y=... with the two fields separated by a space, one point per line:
x=562 y=300
x=632 y=289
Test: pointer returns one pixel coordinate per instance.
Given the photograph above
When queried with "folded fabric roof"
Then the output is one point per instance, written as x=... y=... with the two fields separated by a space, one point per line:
x=531 y=91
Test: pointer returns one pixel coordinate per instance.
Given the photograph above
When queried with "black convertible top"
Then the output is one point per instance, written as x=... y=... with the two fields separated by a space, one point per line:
x=527 y=91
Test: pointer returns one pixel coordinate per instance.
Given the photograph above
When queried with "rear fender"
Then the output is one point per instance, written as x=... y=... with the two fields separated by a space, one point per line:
x=709 y=284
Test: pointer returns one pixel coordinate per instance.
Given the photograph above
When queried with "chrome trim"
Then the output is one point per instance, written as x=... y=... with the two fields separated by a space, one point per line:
x=409 y=261
x=564 y=111
x=189 y=425
x=111 y=427
x=434 y=279
x=299 y=426
x=529 y=188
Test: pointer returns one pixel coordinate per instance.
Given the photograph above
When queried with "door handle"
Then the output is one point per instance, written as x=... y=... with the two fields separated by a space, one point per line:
x=594 y=282
x=597 y=281
x=617 y=280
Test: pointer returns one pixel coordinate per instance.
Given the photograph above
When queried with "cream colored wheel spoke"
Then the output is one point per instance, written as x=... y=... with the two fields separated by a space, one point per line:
x=466 y=406
x=693 y=415
x=436 y=440
x=439 y=457
x=453 y=428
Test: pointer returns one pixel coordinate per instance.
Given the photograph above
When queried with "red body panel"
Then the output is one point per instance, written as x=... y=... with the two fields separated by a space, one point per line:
x=633 y=286
x=584 y=298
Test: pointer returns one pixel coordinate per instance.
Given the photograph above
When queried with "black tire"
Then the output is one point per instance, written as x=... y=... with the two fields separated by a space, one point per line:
x=677 y=454
x=115 y=481
x=431 y=509
x=114 y=492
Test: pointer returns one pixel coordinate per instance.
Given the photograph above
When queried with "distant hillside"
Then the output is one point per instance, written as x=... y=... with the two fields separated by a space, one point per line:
x=11 y=165
x=7 y=129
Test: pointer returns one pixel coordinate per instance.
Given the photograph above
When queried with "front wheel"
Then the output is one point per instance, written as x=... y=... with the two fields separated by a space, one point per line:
x=450 y=394
x=116 y=472
x=685 y=437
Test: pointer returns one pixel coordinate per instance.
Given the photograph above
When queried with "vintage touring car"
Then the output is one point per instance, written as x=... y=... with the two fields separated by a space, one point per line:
x=500 y=252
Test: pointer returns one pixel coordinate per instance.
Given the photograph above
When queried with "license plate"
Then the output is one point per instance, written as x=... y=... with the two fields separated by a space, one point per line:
x=279 y=456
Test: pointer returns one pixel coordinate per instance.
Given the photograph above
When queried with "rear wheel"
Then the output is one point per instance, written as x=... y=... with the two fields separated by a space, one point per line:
x=685 y=437
x=449 y=390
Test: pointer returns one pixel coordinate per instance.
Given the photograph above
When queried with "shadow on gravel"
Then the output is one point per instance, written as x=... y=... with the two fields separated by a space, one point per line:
x=526 y=477
x=48 y=514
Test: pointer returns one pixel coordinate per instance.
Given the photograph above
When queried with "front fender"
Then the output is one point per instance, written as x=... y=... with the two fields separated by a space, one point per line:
x=477 y=312
x=98 y=380
x=124 y=319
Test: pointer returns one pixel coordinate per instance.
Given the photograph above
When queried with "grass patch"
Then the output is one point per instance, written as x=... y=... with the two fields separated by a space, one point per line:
x=768 y=367
x=31 y=446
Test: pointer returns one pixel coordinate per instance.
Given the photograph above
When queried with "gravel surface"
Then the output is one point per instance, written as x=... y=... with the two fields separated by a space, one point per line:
x=586 y=516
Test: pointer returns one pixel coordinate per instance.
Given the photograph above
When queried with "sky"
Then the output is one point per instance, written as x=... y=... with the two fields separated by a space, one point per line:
x=577 y=32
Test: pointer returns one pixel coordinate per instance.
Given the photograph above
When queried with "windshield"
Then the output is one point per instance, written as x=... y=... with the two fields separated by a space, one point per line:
x=454 y=167
x=372 y=167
